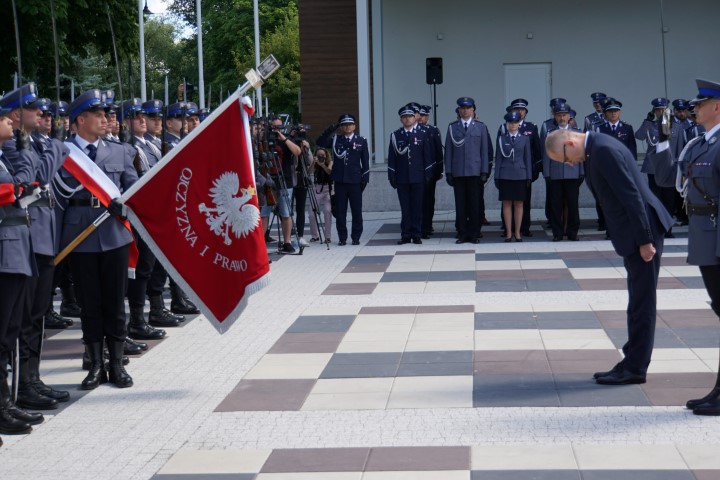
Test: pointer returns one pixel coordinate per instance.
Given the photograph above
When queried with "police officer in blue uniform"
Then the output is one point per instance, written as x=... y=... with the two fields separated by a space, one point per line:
x=44 y=158
x=16 y=272
x=529 y=130
x=597 y=117
x=351 y=174
x=410 y=166
x=513 y=172
x=437 y=152
x=615 y=127
x=467 y=165
x=699 y=179
x=174 y=123
x=100 y=262
x=544 y=128
x=681 y=108
x=565 y=180
x=648 y=133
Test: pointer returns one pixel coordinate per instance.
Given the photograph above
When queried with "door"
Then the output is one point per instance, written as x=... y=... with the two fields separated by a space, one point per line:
x=531 y=81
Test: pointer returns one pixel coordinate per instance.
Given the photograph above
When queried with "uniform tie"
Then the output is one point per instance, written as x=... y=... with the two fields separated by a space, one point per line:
x=613 y=128
x=466 y=125
x=92 y=151
x=512 y=139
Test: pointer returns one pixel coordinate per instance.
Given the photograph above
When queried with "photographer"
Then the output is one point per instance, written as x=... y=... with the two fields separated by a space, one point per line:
x=300 y=191
x=286 y=151
x=321 y=168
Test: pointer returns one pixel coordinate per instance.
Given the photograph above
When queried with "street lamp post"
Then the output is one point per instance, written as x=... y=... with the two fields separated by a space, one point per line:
x=201 y=79
x=141 y=34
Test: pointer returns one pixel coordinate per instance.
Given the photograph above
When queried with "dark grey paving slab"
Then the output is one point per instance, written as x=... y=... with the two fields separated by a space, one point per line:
x=434 y=369
x=404 y=277
x=386 y=310
x=321 y=324
x=360 y=371
x=675 y=248
x=382 y=358
x=618 y=336
x=573 y=320
x=370 y=259
x=486 y=257
x=316 y=460
x=700 y=337
x=552 y=285
x=638 y=475
x=538 y=255
x=204 y=476
x=517 y=382
x=588 y=263
x=692 y=282
x=525 y=475
x=515 y=398
x=350 y=289
x=451 y=276
x=437 y=357
x=580 y=390
x=501 y=286
x=666 y=338
x=504 y=321
x=387 y=459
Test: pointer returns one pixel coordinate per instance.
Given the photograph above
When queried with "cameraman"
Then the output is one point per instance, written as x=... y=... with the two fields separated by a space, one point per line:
x=286 y=151
x=298 y=134
x=322 y=169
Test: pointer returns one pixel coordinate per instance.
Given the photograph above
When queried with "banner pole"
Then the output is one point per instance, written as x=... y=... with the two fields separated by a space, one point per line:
x=80 y=238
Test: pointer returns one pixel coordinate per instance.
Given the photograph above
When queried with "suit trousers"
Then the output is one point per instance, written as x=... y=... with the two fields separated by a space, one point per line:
x=38 y=298
x=467 y=207
x=13 y=293
x=642 y=278
x=348 y=193
x=665 y=194
x=564 y=193
x=137 y=287
x=102 y=277
x=411 y=203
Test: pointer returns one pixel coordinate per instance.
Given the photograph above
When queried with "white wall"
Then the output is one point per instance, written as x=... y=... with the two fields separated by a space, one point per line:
x=614 y=46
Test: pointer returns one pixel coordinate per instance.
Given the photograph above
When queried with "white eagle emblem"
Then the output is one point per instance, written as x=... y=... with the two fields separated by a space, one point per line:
x=231 y=212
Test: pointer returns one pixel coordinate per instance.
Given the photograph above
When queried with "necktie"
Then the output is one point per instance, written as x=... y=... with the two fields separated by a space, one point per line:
x=512 y=139
x=613 y=128
x=92 y=151
x=466 y=125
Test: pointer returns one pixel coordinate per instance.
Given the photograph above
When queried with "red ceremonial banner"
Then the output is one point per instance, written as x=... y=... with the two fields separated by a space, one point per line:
x=198 y=211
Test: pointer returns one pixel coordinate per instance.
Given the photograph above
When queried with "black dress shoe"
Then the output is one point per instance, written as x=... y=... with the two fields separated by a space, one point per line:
x=416 y=241
x=621 y=377
x=59 y=395
x=518 y=239
x=603 y=374
x=711 y=408
x=143 y=331
x=508 y=239
x=713 y=396
x=342 y=242
x=573 y=238
x=131 y=348
x=10 y=425
x=474 y=240
x=669 y=235
x=557 y=238
x=70 y=309
x=54 y=321
x=143 y=346
x=403 y=241
x=460 y=240
x=601 y=228
x=425 y=236
x=356 y=242
x=31 y=418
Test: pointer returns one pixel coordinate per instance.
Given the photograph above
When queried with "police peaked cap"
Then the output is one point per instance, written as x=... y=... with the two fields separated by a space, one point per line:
x=660 y=102
x=204 y=113
x=611 y=104
x=706 y=89
x=130 y=109
x=89 y=101
x=346 y=119
x=512 y=117
x=519 y=103
x=598 y=97
x=466 y=102
x=24 y=96
x=406 y=110
x=425 y=109
x=59 y=108
x=42 y=103
x=176 y=110
x=192 y=109
x=153 y=107
x=557 y=101
x=561 y=108
x=680 y=104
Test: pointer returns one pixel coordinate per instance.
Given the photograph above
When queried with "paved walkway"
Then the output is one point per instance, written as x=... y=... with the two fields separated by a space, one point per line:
x=387 y=362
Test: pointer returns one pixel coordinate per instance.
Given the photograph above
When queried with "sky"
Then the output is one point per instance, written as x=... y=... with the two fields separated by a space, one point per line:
x=157 y=6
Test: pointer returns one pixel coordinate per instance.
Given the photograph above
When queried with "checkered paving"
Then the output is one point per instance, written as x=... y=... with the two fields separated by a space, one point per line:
x=564 y=462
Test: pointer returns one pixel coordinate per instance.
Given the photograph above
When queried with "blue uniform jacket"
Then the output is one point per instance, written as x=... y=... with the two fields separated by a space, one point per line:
x=623 y=193
x=648 y=133
x=117 y=163
x=559 y=170
x=702 y=160
x=437 y=148
x=592 y=121
x=530 y=130
x=513 y=161
x=44 y=226
x=623 y=132
x=410 y=158
x=468 y=153
x=16 y=254
x=351 y=157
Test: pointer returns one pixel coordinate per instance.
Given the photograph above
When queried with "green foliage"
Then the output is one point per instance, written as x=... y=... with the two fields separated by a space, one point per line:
x=83 y=32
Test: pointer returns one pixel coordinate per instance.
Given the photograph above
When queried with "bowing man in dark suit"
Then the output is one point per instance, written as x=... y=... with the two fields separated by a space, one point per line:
x=640 y=222
x=699 y=180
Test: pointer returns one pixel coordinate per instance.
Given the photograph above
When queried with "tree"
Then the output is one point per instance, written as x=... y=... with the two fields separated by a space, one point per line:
x=83 y=32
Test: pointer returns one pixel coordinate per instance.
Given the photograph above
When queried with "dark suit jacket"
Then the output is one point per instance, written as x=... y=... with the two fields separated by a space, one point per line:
x=622 y=192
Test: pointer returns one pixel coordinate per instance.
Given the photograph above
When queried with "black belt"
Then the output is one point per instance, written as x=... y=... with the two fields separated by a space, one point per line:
x=43 y=202
x=706 y=210
x=93 y=202
x=14 y=221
